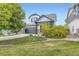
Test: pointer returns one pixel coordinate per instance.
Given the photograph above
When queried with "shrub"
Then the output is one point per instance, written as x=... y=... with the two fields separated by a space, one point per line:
x=46 y=29
x=59 y=32
x=54 y=31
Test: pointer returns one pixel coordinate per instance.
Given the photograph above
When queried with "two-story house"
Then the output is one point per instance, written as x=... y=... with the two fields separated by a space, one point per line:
x=36 y=21
x=73 y=19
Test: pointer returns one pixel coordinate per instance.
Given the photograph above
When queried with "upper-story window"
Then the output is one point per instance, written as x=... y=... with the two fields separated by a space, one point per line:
x=77 y=9
x=74 y=13
x=33 y=19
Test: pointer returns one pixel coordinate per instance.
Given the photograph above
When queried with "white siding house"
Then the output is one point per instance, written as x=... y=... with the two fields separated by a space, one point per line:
x=73 y=19
x=74 y=26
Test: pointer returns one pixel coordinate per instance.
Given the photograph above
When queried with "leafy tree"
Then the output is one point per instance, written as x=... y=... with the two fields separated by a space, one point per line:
x=5 y=16
x=11 y=17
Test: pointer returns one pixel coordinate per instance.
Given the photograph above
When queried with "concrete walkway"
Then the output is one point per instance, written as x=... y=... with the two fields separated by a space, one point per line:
x=67 y=39
x=13 y=37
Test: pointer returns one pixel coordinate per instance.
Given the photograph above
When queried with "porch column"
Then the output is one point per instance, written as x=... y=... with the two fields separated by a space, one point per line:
x=36 y=27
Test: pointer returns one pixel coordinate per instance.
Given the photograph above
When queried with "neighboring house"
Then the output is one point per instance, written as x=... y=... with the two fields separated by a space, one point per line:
x=73 y=19
x=36 y=20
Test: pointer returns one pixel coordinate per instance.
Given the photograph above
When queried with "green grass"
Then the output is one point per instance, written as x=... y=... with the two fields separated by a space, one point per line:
x=21 y=41
x=36 y=46
x=1 y=34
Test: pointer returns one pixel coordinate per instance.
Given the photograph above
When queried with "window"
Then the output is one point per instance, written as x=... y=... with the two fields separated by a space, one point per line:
x=72 y=28
x=33 y=19
x=77 y=9
x=77 y=30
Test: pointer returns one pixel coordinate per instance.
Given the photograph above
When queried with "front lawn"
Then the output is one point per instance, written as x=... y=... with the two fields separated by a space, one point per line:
x=36 y=46
x=21 y=41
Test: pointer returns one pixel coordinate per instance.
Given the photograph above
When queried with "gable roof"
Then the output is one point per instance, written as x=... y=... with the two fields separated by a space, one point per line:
x=33 y=15
x=70 y=19
x=51 y=17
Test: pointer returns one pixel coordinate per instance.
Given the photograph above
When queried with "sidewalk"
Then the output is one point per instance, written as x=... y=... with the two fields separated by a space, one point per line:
x=66 y=39
x=13 y=37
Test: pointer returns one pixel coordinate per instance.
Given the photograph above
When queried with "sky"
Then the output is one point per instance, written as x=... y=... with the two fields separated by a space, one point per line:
x=60 y=9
